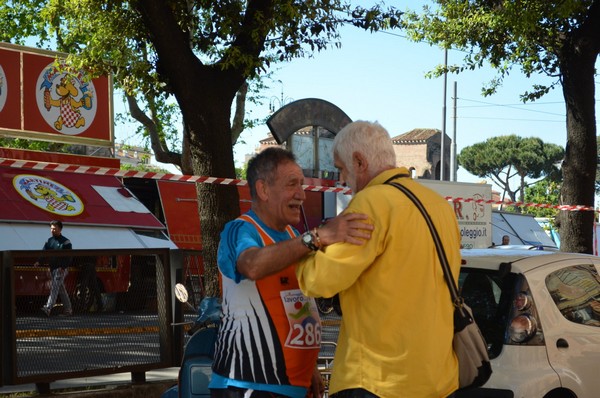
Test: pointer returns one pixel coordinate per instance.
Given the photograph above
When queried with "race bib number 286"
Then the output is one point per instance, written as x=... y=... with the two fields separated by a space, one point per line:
x=303 y=316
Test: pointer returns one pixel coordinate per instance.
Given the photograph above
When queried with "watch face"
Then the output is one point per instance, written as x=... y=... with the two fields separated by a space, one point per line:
x=306 y=238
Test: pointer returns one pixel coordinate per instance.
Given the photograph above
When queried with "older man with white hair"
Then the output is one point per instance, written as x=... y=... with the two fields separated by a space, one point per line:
x=397 y=326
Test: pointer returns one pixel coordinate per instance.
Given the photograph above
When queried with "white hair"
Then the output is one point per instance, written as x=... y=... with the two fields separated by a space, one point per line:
x=368 y=138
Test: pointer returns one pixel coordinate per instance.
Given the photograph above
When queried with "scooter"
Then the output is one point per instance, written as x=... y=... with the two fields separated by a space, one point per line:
x=196 y=365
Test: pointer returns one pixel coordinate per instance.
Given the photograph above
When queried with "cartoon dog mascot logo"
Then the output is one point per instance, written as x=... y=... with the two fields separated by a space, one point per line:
x=66 y=99
x=48 y=195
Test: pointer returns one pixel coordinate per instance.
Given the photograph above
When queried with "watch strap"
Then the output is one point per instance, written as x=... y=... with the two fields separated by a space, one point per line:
x=309 y=242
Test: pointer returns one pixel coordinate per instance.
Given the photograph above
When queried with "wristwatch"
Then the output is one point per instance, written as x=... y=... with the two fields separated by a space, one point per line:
x=307 y=240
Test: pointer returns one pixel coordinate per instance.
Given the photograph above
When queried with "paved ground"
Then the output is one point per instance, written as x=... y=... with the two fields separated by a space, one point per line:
x=115 y=385
x=157 y=381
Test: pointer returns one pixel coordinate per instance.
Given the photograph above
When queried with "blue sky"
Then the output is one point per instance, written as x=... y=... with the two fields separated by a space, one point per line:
x=381 y=77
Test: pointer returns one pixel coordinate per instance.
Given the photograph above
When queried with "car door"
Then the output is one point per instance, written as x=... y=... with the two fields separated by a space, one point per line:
x=567 y=295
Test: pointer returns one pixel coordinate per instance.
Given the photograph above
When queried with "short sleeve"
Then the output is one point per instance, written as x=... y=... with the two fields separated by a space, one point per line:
x=237 y=236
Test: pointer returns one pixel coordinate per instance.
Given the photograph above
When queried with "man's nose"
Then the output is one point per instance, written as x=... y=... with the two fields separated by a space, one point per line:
x=301 y=194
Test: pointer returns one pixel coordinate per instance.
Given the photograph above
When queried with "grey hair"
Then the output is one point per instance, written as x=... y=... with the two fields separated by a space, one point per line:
x=369 y=138
x=263 y=166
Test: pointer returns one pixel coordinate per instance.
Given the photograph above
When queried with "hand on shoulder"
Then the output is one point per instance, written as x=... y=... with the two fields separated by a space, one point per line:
x=354 y=228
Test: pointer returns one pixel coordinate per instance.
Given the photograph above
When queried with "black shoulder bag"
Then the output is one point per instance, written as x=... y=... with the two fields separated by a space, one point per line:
x=468 y=343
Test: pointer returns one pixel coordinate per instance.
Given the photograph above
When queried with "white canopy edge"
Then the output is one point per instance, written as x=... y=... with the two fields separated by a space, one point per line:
x=24 y=236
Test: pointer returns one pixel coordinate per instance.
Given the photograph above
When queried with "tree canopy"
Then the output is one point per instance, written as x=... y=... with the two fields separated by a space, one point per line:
x=201 y=53
x=559 y=39
x=543 y=192
x=506 y=157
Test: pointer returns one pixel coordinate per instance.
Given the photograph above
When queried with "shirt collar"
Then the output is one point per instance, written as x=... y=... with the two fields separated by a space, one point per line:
x=385 y=175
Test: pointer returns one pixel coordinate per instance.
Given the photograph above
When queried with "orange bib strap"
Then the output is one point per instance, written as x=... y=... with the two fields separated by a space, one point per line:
x=266 y=238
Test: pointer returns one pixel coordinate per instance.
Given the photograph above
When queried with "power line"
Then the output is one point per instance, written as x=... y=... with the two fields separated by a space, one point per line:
x=517 y=104
x=512 y=119
x=398 y=35
x=487 y=104
x=426 y=42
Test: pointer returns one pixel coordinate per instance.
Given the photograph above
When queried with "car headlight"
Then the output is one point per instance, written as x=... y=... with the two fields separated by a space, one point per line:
x=522 y=328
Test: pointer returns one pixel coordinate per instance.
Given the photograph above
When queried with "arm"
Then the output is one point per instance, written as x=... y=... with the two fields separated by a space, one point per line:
x=335 y=269
x=259 y=262
x=317 y=387
x=41 y=259
x=66 y=261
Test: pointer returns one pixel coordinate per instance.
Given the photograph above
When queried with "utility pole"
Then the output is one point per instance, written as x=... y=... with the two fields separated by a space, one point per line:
x=453 y=163
x=443 y=138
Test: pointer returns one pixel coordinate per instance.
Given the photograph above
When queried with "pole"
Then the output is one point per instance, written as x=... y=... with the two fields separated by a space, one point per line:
x=453 y=163
x=443 y=138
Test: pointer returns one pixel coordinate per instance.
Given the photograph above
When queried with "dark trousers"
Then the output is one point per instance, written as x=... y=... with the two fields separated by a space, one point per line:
x=234 y=392
x=360 y=393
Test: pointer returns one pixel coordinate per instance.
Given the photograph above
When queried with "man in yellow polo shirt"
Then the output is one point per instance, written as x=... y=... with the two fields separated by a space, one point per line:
x=397 y=326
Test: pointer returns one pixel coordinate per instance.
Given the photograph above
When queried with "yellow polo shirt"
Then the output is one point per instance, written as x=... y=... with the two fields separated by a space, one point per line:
x=397 y=326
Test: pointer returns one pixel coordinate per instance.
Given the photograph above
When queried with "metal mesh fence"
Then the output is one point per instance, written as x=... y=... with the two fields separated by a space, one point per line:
x=193 y=276
x=331 y=328
x=114 y=317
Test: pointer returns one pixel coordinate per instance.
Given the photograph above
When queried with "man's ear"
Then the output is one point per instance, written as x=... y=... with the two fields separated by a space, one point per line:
x=262 y=190
x=361 y=164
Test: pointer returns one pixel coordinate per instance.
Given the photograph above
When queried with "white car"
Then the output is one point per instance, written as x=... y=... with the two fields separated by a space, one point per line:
x=540 y=314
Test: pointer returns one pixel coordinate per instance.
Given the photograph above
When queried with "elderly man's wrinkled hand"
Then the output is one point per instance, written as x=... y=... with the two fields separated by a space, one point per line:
x=353 y=228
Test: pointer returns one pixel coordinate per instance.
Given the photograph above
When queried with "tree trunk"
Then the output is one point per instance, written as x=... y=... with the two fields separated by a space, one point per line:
x=186 y=156
x=578 y=57
x=209 y=133
x=212 y=155
x=205 y=95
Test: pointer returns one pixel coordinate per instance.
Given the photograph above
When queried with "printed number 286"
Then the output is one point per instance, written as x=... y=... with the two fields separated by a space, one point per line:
x=307 y=335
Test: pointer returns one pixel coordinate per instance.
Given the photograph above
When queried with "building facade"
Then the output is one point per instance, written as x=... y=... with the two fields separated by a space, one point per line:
x=419 y=150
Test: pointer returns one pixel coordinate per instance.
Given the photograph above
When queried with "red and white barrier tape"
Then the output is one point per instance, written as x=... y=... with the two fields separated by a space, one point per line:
x=33 y=165
x=522 y=204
